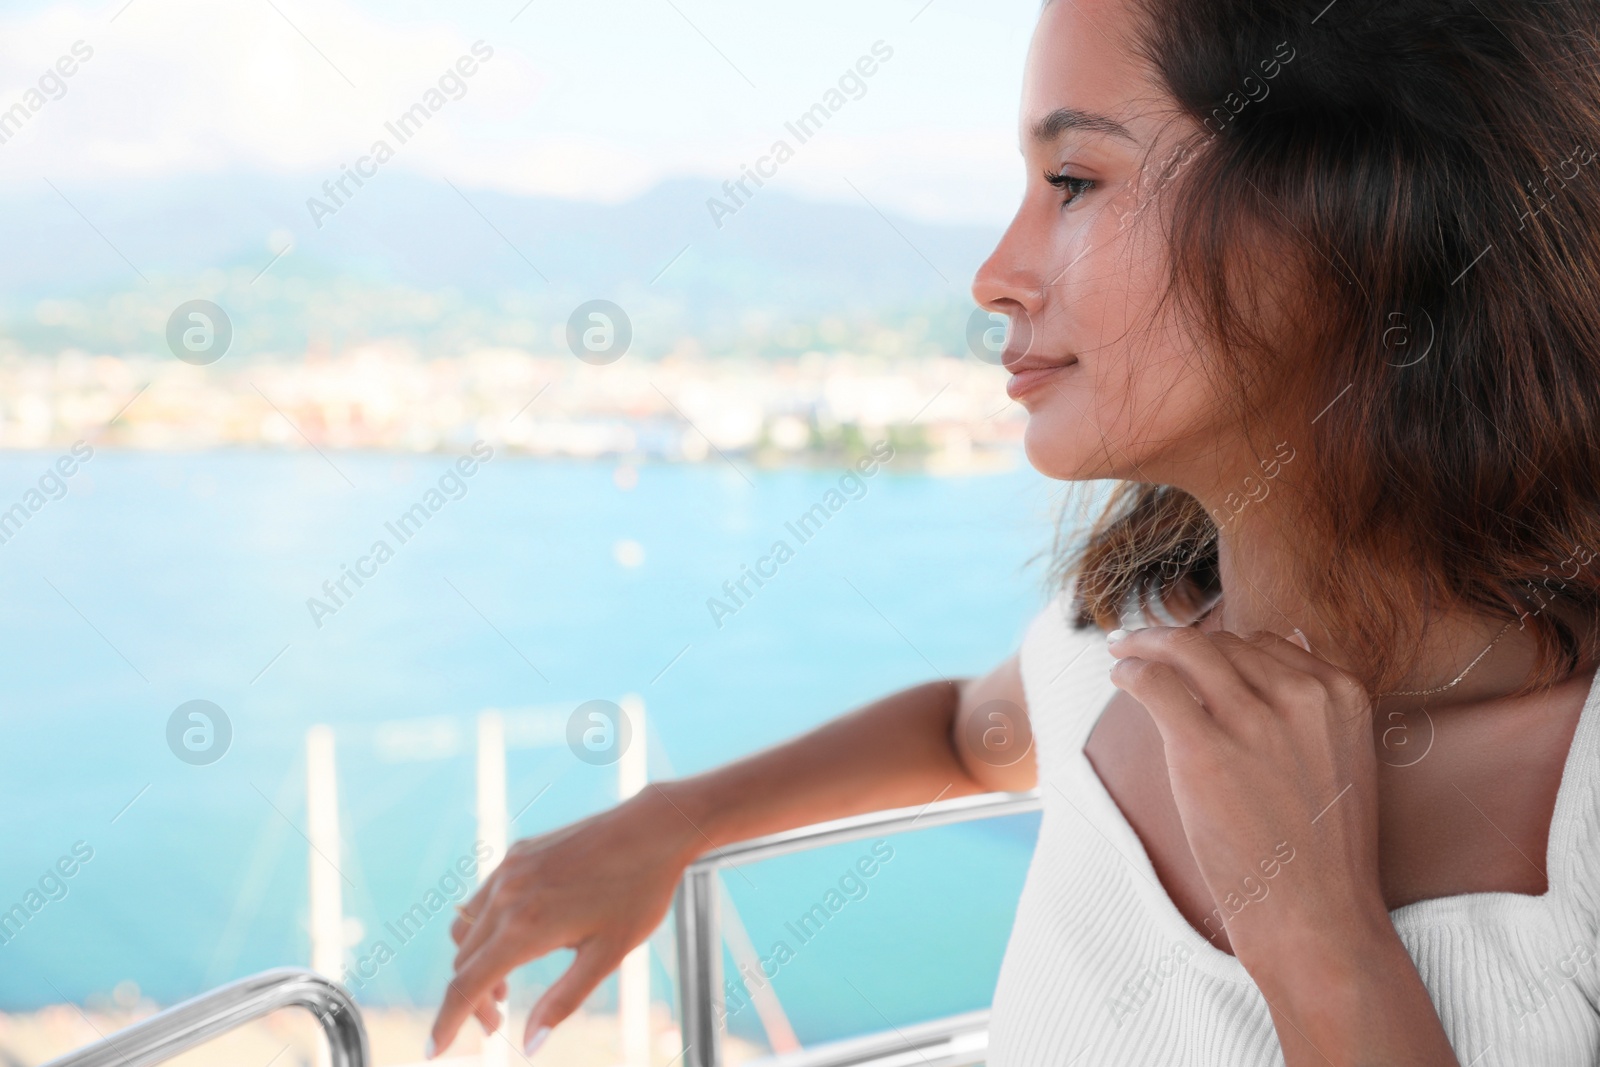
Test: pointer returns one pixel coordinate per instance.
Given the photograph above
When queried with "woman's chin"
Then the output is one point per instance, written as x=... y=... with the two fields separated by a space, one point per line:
x=1059 y=451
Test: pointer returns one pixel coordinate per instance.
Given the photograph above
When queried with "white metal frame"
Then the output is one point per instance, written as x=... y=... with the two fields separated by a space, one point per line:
x=956 y=1041
x=211 y=1014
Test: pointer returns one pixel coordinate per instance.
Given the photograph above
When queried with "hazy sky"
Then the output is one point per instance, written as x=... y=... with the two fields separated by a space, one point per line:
x=597 y=100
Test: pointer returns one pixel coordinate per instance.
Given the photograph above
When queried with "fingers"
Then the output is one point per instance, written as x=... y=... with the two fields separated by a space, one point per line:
x=1250 y=656
x=484 y=972
x=488 y=1015
x=467 y=914
x=481 y=925
x=1163 y=692
x=488 y=1009
x=491 y=1007
x=485 y=1009
x=1194 y=660
x=589 y=967
x=1263 y=652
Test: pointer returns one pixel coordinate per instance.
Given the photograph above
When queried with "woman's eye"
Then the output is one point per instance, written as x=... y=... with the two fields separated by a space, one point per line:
x=1068 y=184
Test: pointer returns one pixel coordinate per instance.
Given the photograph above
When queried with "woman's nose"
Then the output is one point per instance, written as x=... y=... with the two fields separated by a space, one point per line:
x=1010 y=280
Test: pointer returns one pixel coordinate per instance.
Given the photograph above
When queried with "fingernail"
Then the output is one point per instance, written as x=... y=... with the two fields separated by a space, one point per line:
x=1301 y=638
x=1115 y=635
x=428 y=1051
x=535 y=1039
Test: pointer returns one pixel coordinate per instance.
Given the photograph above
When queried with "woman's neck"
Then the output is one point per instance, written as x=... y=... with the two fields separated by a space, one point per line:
x=1258 y=595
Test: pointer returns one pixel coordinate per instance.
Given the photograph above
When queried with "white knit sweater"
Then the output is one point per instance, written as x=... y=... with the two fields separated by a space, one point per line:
x=1102 y=969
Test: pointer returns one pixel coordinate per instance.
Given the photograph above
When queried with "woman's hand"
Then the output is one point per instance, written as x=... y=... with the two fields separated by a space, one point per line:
x=1269 y=749
x=598 y=886
x=601 y=885
x=1270 y=753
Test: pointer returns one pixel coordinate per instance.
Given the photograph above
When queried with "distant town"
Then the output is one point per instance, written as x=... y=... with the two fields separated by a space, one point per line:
x=948 y=413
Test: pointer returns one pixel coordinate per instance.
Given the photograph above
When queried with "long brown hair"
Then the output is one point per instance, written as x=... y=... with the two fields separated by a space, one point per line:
x=1424 y=174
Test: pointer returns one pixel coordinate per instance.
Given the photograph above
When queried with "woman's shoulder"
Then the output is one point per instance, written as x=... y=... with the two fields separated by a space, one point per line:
x=1058 y=660
x=1053 y=646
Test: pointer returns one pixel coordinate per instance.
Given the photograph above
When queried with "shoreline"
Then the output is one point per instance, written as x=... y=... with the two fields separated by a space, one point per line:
x=386 y=397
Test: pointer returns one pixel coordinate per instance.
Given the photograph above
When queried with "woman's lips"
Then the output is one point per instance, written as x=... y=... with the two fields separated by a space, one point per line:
x=1028 y=377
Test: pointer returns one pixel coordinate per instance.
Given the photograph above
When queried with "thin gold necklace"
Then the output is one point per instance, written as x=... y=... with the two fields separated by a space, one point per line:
x=1463 y=674
x=1404 y=692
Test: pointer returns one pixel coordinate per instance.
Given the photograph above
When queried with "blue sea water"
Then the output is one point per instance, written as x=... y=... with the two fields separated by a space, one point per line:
x=163 y=578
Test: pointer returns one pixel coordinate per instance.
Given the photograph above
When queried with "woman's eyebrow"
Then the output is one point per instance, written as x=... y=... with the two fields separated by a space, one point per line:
x=1063 y=119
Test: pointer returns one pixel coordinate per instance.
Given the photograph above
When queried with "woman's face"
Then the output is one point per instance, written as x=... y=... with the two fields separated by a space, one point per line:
x=1109 y=392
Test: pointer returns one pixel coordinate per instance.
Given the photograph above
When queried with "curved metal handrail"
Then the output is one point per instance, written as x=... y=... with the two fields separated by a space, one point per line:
x=871 y=824
x=954 y=1041
x=700 y=944
x=198 y=1020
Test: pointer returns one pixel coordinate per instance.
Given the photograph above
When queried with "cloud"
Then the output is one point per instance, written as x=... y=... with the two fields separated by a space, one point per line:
x=194 y=87
x=585 y=104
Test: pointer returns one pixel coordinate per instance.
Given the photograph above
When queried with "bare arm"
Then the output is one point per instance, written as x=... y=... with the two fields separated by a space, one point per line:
x=601 y=885
x=908 y=748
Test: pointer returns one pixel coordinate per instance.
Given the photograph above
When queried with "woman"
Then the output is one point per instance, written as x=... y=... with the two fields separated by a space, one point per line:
x=1318 y=282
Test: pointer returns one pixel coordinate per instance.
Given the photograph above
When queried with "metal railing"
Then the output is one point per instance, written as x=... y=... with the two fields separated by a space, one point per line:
x=194 y=1022
x=957 y=1041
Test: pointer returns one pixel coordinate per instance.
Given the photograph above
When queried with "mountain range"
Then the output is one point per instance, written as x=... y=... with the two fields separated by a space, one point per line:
x=100 y=266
